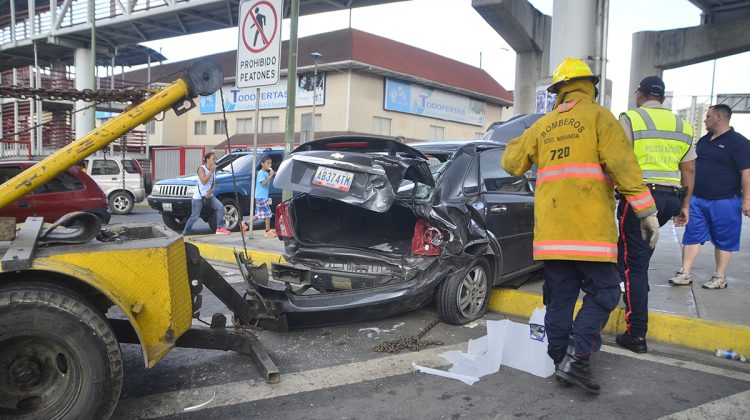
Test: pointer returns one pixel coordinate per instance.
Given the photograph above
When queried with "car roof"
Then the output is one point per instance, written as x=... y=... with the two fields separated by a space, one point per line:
x=448 y=146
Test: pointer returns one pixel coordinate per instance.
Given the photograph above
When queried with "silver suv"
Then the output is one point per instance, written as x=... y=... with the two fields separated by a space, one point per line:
x=121 y=179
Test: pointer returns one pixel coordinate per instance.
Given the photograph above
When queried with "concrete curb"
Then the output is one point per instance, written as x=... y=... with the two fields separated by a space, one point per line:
x=685 y=331
x=226 y=253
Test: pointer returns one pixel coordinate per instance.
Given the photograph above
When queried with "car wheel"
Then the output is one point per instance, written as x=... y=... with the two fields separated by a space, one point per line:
x=148 y=185
x=58 y=355
x=121 y=202
x=232 y=215
x=176 y=223
x=463 y=297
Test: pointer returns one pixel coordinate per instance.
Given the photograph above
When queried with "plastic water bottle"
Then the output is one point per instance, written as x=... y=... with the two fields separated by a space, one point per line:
x=729 y=354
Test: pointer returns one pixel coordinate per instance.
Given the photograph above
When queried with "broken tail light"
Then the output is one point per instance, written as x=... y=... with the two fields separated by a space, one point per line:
x=427 y=240
x=284 y=221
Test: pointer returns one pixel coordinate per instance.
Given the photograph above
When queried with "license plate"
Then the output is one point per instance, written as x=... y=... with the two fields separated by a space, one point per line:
x=333 y=178
x=166 y=206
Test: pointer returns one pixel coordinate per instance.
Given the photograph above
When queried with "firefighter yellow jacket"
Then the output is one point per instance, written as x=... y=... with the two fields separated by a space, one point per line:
x=581 y=152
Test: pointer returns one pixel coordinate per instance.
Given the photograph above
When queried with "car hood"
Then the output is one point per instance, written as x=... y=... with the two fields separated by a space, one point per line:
x=362 y=171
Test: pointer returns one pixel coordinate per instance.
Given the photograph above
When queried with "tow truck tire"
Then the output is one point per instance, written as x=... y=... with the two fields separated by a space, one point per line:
x=121 y=202
x=232 y=214
x=173 y=222
x=463 y=297
x=58 y=355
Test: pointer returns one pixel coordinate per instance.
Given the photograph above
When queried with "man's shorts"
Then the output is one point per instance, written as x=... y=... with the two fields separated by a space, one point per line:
x=262 y=208
x=718 y=221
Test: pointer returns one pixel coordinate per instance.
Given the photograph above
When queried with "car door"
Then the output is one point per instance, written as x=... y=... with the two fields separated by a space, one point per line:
x=106 y=173
x=61 y=195
x=509 y=210
x=24 y=206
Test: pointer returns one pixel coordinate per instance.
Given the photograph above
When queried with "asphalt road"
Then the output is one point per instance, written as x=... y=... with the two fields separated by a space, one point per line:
x=333 y=372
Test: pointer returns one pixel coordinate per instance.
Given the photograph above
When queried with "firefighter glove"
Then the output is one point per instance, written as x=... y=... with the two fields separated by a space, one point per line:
x=650 y=230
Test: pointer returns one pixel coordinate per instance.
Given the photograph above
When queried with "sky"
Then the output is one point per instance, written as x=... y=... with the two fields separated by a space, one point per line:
x=452 y=28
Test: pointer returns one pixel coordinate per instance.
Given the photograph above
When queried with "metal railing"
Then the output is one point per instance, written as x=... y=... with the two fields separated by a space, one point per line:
x=44 y=21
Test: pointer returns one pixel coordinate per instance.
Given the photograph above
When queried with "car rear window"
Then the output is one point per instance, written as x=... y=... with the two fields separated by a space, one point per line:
x=61 y=183
x=130 y=166
x=8 y=172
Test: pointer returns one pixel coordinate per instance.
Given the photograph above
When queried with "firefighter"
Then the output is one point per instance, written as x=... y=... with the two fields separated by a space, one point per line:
x=581 y=152
x=662 y=142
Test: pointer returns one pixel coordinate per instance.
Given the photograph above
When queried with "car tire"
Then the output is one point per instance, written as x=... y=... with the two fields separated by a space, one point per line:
x=148 y=185
x=463 y=297
x=176 y=223
x=121 y=202
x=232 y=214
x=59 y=357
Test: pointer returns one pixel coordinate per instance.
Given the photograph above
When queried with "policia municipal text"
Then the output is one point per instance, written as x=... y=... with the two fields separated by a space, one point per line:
x=574 y=231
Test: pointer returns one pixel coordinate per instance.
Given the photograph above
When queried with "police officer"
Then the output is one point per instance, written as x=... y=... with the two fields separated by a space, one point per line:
x=662 y=142
x=581 y=151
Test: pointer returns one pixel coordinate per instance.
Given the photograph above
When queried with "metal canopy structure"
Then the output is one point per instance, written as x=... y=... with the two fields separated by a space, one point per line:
x=58 y=27
x=717 y=11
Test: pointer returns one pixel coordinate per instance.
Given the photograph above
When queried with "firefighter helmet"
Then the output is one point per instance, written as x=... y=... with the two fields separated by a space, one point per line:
x=569 y=69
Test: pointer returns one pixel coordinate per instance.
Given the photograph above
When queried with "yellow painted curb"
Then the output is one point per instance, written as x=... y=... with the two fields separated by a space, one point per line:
x=226 y=254
x=685 y=331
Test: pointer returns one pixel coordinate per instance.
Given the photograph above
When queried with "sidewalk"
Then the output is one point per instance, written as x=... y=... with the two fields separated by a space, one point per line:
x=689 y=315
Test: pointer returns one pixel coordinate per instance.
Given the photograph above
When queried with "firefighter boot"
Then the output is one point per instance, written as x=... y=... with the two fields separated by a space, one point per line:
x=556 y=353
x=576 y=370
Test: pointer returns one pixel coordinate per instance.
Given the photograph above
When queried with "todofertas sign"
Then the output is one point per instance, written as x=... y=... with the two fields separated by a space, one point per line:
x=259 y=46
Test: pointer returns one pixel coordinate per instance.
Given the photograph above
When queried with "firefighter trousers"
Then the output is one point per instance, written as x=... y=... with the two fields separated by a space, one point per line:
x=563 y=282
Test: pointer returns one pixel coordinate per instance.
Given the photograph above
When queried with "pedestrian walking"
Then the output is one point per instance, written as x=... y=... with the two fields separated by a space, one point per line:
x=581 y=151
x=203 y=196
x=720 y=197
x=262 y=201
x=663 y=145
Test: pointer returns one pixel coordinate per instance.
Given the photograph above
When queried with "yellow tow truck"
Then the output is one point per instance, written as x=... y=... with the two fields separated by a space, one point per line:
x=67 y=300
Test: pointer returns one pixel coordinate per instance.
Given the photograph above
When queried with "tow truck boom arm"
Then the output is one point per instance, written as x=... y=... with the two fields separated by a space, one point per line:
x=203 y=78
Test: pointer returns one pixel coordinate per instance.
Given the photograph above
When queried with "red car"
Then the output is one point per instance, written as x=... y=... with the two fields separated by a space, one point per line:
x=70 y=191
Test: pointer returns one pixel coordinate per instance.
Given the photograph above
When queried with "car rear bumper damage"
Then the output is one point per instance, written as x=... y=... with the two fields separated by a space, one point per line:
x=328 y=308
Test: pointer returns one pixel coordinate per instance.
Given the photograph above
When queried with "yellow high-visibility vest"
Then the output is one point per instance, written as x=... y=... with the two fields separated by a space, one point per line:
x=660 y=141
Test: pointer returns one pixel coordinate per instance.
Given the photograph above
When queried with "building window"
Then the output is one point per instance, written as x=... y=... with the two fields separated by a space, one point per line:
x=381 y=126
x=244 y=125
x=220 y=127
x=306 y=126
x=151 y=127
x=270 y=125
x=437 y=133
x=200 y=128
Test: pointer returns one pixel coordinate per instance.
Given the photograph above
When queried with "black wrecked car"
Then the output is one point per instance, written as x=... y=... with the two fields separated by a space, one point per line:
x=374 y=229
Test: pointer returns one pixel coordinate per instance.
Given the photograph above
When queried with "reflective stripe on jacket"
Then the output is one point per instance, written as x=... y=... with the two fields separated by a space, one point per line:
x=660 y=141
x=581 y=152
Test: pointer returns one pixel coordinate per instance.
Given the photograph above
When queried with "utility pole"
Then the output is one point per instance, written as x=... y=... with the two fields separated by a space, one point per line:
x=316 y=56
x=291 y=86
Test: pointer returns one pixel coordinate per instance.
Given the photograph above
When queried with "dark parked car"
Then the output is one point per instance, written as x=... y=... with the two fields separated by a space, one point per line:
x=172 y=197
x=376 y=231
x=505 y=131
x=70 y=191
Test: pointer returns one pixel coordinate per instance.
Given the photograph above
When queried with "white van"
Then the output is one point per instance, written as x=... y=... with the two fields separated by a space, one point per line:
x=121 y=179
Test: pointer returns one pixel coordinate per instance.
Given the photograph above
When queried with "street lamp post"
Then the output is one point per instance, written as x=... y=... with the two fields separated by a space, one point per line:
x=316 y=56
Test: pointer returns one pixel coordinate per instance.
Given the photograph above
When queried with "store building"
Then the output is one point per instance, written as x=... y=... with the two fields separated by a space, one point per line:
x=365 y=84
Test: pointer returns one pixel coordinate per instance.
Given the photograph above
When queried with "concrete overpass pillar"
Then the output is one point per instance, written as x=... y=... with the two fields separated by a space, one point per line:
x=84 y=79
x=573 y=32
x=656 y=51
x=527 y=31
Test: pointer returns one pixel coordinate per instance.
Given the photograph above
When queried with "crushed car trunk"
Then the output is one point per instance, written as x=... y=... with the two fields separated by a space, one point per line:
x=320 y=221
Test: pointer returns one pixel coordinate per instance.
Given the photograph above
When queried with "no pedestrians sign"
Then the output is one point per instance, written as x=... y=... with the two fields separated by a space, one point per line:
x=259 y=46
